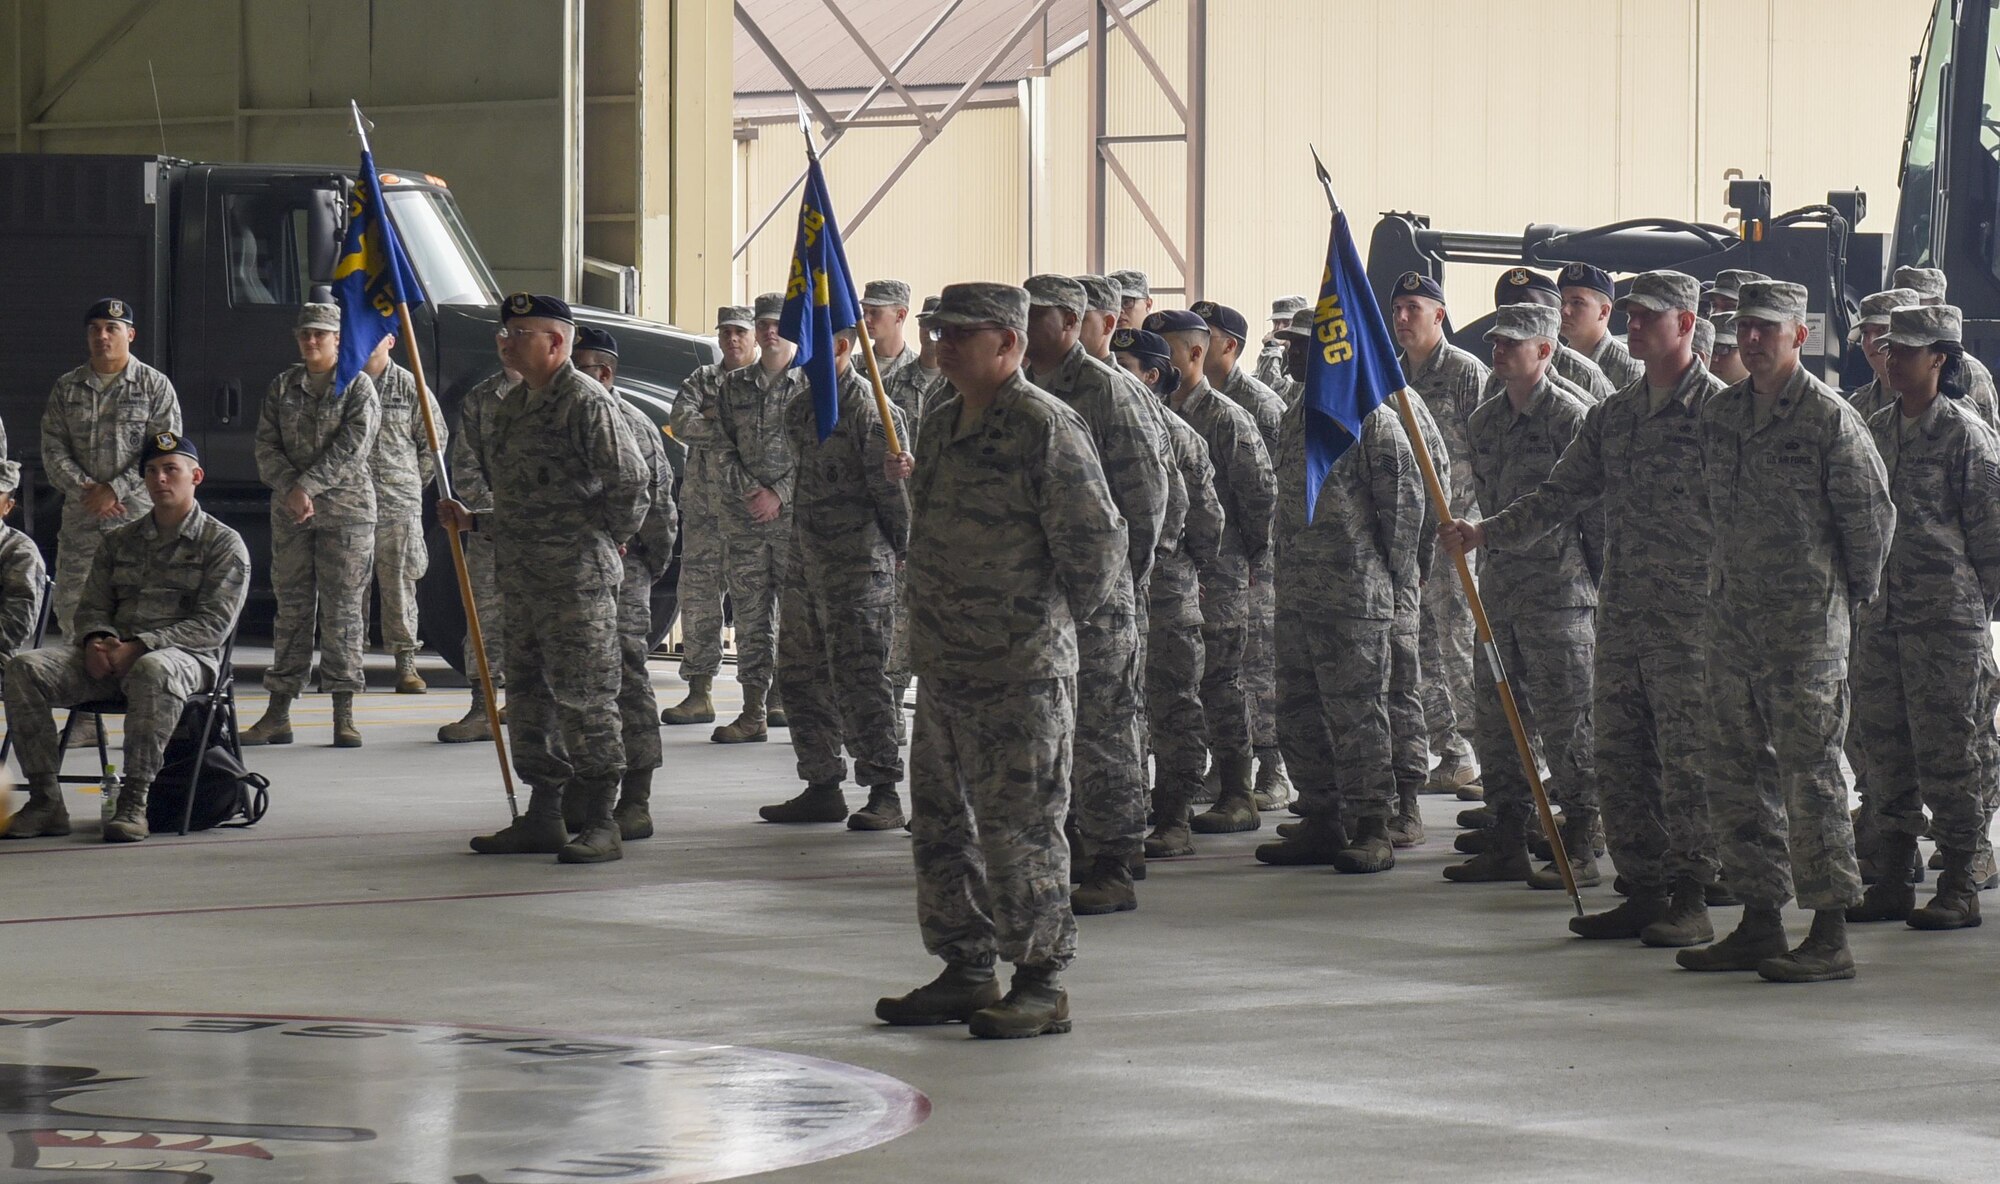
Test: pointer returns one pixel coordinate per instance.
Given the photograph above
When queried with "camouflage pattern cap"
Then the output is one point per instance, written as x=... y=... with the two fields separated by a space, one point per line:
x=1925 y=324
x=886 y=294
x=1725 y=329
x=982 y=303
x=1927 y=282
x=1771 y=300
x=1132 y=285
x=1284 y=306
x=318 y=316
x=1525 y=322
x=1729 y=282
x=735 y=316
x=1875 y=309
x=930 y=306
x=770 y=306
x=1100 y=293
x=1057 y=291
x=1301 y=325
x=1662 y=291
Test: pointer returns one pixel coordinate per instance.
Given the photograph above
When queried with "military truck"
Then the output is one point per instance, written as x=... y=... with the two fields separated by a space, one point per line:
x=216 y=259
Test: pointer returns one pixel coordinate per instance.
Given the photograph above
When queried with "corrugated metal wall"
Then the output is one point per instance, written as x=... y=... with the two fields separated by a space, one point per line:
x=1486 y=116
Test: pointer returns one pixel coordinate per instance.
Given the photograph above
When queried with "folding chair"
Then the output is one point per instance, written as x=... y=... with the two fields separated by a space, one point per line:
x=34 y=643
x=218 y=705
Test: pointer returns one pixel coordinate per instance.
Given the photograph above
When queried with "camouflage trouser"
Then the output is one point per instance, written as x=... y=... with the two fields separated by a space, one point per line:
x=154 y=689
x=320 y=575
x=989 y=786
x=1774 y=787
x=400 y=561
x=1108 y=793
x=1412 y=749
x=754 y=564
x=1445 y=647
x=1649 y=704
x=638 y=709
x=1178 y=732
x=1547 y=656
x=833 y=675
x=1918 y=698
x=76 y=546
x=1225 y=631
x=562 y=684
x=492 y=610
x=703 y=557
x=1333 y=714
x=899 y=644
x=1260 y=665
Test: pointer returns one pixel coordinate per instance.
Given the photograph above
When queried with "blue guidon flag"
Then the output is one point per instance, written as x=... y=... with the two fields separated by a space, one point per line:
x=371 y=278
x=1352 y=368
x=819 y=298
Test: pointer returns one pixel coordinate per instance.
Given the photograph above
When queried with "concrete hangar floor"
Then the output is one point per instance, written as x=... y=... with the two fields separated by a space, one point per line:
x=344 y=994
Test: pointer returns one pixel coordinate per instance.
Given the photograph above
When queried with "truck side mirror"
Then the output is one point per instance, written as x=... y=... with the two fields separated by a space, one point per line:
x=325 y=223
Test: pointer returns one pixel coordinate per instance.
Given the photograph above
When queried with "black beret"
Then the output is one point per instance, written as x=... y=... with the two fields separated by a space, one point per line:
x=1583 y=275
x=1223 y=317
x=167 y=444
x=110 y=309
x=592 y=337
x=1519 y=285
x=528 y=304
x=1152 y=349
x=1414 y=283
x=1174 y=320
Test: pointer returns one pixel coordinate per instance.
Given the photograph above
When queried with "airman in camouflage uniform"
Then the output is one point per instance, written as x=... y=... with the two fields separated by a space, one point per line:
x=1013 y=539
x=22 y=573
x=1977 y=381
x=753 y=502
x=1449 y=380
x=1539 y=599
x=313 y=448
x=1638 y=456
x=1727 y=363
x=1803 y=521
x=1271 y=358
x=648 y=554
x=475 y=493
x=1109 y=795
x=1586 y=293
x=1519 y=285
x=163 y=594
x=1342 y=578
x=1728 y=286
x=909 y=388
x=1247 y=488
x=569 y=487
x=401 y=467
x=1135 y=298
x=850 y=529
x=99 y=416
x=704 y=547
x=1923 y=658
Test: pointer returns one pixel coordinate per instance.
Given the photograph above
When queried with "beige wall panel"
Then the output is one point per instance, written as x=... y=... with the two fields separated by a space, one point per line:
x=190 y=43
x=303 y=52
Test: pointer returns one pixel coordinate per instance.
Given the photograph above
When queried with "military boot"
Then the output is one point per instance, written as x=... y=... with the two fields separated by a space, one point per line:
x=1235 y=809
x=1685 y=923
x=1821 y=958
x=128 y=825
x=1473 y=842
x=86 y=732
x=1477 y=818
x=597 y=841
x=1505 y=859
x=696 y=707
x=751 y=727
x=1985 y=875
x=821 y=801
x=1106 y=887
x=408 y=681
x=1170 y=838
x=1956 y=905
x=1406 y=829
x=950 y=998
x=1211 y=782
x=345 y=734
x=538 y=832
x=1578 y=830
x=884 y=810
x=1273 y=789
x=633 y=813
x=1315 y=841
x=1452 y=776
x=469 y=728
x=274 y=728
x=1757 y=938
x=1035 y=1005
x=45 y=816
x=1890 y=897
x=774 y=710
x=1369 y=849
x=1627 y=920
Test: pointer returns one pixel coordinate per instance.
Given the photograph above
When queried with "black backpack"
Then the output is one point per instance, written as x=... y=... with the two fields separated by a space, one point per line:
x=230 y=794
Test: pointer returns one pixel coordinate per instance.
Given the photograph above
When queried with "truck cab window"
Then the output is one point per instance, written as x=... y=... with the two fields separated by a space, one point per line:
x=268 y=245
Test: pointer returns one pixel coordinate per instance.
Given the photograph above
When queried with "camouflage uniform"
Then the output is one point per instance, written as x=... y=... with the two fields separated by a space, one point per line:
x=314 y=438
x=1449 y=382
x=88 y=436
x=1174 y=658
x=473 y=491
x=1013 y=538
x=1109 y=796
x=1260 y=669
x=1407 y=723
x=909 y=386
x=850 y=527
x=1247 y=488
x=1583 y=374
x=1641 y=464
x=1340 y=581
x=748 y=450
x=21 y=578
x=1923 y=659
x=1539 y=598
x=648 y=554
x=704 y=550
x=1802 y=524
x=569 y=485
x=1616 y=362
x=401 y=467
x=178 y=596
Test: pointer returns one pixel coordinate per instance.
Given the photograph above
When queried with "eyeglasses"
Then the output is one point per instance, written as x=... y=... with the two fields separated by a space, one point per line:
x=505 y=334
x=960 y=333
